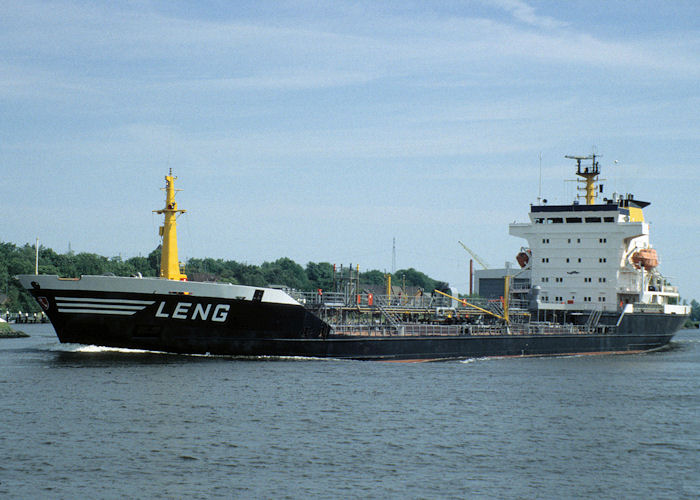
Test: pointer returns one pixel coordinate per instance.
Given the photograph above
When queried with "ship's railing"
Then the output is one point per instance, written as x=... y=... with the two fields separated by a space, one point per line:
x=328 y=298
x=439 y=303
x=518 y=304
x=648 y=308
x=335 y=299
x=467 y=330
x=405 y=330
x=520 y=287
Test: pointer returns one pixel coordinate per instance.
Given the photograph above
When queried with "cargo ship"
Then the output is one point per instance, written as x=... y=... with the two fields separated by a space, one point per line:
x=592 y=286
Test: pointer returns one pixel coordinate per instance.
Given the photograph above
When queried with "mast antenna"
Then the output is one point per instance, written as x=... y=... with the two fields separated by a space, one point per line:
x=36 y=261
x=539 y=191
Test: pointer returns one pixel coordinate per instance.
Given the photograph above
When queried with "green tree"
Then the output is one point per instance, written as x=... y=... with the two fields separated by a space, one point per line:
x=694 y=310
x=286 y=272
x=373 y=277
x=90 y=264
x=142 y=265
x=249 y=275
x=154 y=259
x=320 y=275
x=419 y=279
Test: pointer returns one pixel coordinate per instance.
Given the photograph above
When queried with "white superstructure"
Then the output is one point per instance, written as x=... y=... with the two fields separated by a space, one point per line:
x=593 y=256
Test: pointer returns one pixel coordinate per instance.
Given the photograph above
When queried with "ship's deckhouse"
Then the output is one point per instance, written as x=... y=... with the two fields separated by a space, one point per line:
x=592 y=256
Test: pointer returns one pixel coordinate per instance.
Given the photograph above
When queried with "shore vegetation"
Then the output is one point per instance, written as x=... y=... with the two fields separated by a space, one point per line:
x=15 y=259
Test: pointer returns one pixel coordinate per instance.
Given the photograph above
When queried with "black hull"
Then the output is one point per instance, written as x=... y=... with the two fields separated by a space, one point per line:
x=429 y=348
x=272 y=329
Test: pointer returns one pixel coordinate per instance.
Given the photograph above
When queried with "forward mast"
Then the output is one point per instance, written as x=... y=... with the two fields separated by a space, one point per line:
x=170 y=266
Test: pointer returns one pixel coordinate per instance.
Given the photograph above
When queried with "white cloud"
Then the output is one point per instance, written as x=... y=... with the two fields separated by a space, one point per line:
x=525 y=13
x=87 y=46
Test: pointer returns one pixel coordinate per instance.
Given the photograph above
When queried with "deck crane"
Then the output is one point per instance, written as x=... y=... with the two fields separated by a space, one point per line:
x=471 y=265
x=475 y=256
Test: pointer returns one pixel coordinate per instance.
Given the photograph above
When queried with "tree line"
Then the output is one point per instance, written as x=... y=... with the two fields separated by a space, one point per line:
x=284 y=271
x=16 y=259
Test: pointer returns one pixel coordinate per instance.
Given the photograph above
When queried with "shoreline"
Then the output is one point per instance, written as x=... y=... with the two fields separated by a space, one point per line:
x=6 y=332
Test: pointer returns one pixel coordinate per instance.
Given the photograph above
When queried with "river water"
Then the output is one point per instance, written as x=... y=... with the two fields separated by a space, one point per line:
x=81 y=422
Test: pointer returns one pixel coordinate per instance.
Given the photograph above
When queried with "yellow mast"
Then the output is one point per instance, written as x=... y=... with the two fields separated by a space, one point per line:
x=589 y=174
x=169 y=263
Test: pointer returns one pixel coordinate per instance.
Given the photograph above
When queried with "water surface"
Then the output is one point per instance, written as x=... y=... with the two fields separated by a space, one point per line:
x=100 y=423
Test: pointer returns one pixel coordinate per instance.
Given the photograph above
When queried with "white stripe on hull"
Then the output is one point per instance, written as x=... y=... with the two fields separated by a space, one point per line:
x=98 y=306
x=95 y=311
x=87 y=305
x=111 y=301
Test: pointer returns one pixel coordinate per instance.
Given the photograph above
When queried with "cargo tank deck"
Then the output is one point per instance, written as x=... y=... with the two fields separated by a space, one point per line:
x=370 y=315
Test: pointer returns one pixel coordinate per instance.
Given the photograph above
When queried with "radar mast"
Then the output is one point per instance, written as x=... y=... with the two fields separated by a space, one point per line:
x=589 y=175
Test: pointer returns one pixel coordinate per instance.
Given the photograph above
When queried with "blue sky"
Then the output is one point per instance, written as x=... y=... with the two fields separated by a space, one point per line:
x=321 y=132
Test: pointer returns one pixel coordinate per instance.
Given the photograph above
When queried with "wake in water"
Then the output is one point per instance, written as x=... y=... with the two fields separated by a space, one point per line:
x=95 y=349
x=98 y=349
